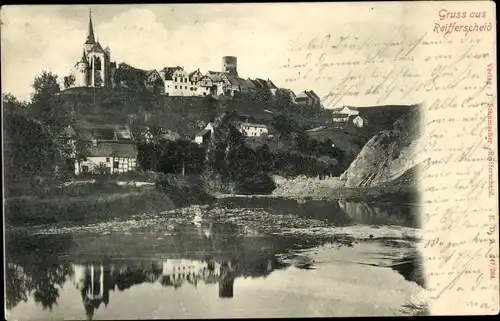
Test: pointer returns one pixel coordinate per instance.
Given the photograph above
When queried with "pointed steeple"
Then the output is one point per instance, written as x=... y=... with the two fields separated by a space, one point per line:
x=84 y=57
x=90 y=35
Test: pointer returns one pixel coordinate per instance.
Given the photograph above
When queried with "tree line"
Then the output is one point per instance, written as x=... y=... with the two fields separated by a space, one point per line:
x=229 y=164
x=34 y=144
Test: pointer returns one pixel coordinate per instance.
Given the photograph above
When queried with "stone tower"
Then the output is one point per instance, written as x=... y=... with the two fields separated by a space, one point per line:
x=81 y=72
x=230 y=65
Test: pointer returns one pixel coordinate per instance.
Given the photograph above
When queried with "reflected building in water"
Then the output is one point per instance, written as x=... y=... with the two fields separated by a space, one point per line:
x=96 y=281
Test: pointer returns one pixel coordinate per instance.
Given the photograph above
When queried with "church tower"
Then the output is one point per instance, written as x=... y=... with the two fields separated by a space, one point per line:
x=95 y=68
x=90 y=42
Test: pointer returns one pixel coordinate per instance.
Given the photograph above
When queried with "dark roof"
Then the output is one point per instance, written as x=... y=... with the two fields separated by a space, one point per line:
x=191 y=74
x=271 y=85
x=103 y=133
x=113 y=149
x=216 y=76
x=90 y=34
x=261 y=83
x=169 y=71
x=97 y=48
x=122 y=132
x=339 y=115
x=150 y=72
x=68 y=132
x=290 y=92
x=203 y=132
x=312 y=94
x=256 y=83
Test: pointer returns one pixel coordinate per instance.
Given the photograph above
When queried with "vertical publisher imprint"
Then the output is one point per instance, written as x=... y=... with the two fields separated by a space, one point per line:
x=491 y=162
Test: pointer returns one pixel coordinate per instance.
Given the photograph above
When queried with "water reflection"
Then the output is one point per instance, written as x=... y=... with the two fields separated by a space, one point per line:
x=228 y=252
x=44 y=269
x=381 y=214
x=341 y=212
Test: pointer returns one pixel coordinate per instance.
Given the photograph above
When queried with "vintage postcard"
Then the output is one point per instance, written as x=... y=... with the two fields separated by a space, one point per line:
x=174 y=161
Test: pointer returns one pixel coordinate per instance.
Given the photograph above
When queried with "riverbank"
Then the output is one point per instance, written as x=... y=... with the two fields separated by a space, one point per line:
x=83 y=203
x=302 y=187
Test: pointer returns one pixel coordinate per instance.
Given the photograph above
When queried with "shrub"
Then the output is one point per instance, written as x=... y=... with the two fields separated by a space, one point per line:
x=258 y=184
x=183 y=190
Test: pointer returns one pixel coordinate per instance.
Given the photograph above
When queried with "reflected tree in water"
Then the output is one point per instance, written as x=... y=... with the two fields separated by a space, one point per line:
x=17 y=285
x=33 y=272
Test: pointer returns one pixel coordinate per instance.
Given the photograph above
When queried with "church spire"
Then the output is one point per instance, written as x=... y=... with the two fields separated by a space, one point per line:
x=90 y=35
x=84 y=57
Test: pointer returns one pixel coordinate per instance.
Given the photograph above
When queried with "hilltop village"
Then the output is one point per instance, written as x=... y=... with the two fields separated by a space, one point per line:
x=117 y=119
x=95 y=69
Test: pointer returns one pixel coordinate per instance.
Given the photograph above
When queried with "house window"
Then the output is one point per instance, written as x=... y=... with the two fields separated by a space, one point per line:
x=176 y=87
x=115 y=164
x=107 y=159
x=185 y=87
x=85 y=169
x=175 y=79
x=185 y=80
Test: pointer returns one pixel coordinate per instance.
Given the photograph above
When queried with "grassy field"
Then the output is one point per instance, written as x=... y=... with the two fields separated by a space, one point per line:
x=84 y=203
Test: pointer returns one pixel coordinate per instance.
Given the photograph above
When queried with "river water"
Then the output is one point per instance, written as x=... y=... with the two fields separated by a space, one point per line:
x=238 y=257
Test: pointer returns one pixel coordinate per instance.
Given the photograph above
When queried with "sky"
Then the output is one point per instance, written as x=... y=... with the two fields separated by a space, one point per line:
x=50 y=37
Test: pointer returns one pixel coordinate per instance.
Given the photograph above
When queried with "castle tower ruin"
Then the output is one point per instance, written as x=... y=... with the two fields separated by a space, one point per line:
x=230 y=65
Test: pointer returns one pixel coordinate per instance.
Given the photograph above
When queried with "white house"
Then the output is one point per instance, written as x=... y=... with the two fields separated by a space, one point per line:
x=113 y=156
x=204 y=135
x=344 y=113
x=205 y=86
x=359 y=121
x=181 y=83
x=167 y=77
x=340 y=118
x=253 y=130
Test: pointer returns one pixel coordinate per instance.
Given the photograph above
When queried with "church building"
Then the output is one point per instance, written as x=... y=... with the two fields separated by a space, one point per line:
x=95 y=68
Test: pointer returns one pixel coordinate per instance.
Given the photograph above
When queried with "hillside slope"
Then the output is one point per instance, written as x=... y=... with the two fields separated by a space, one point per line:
x=386 y=157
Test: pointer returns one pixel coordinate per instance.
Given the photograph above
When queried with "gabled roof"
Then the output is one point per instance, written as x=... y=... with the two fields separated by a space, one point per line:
x=303 y=95
x=167 y=72
x=197 y=71
x=150 y=72
x=68 y=132
x=103 y=133
x=181 y=70
x=97 y=48
x=271 y=85
x=206 y=78
x=260 y=83
x=123 y=132
x=358 y=116
x=254 y=125
x=290 y=92
x=216 y=76
x=113 y=149
x=203 y=132
x=255 y=83
x=312 y=94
